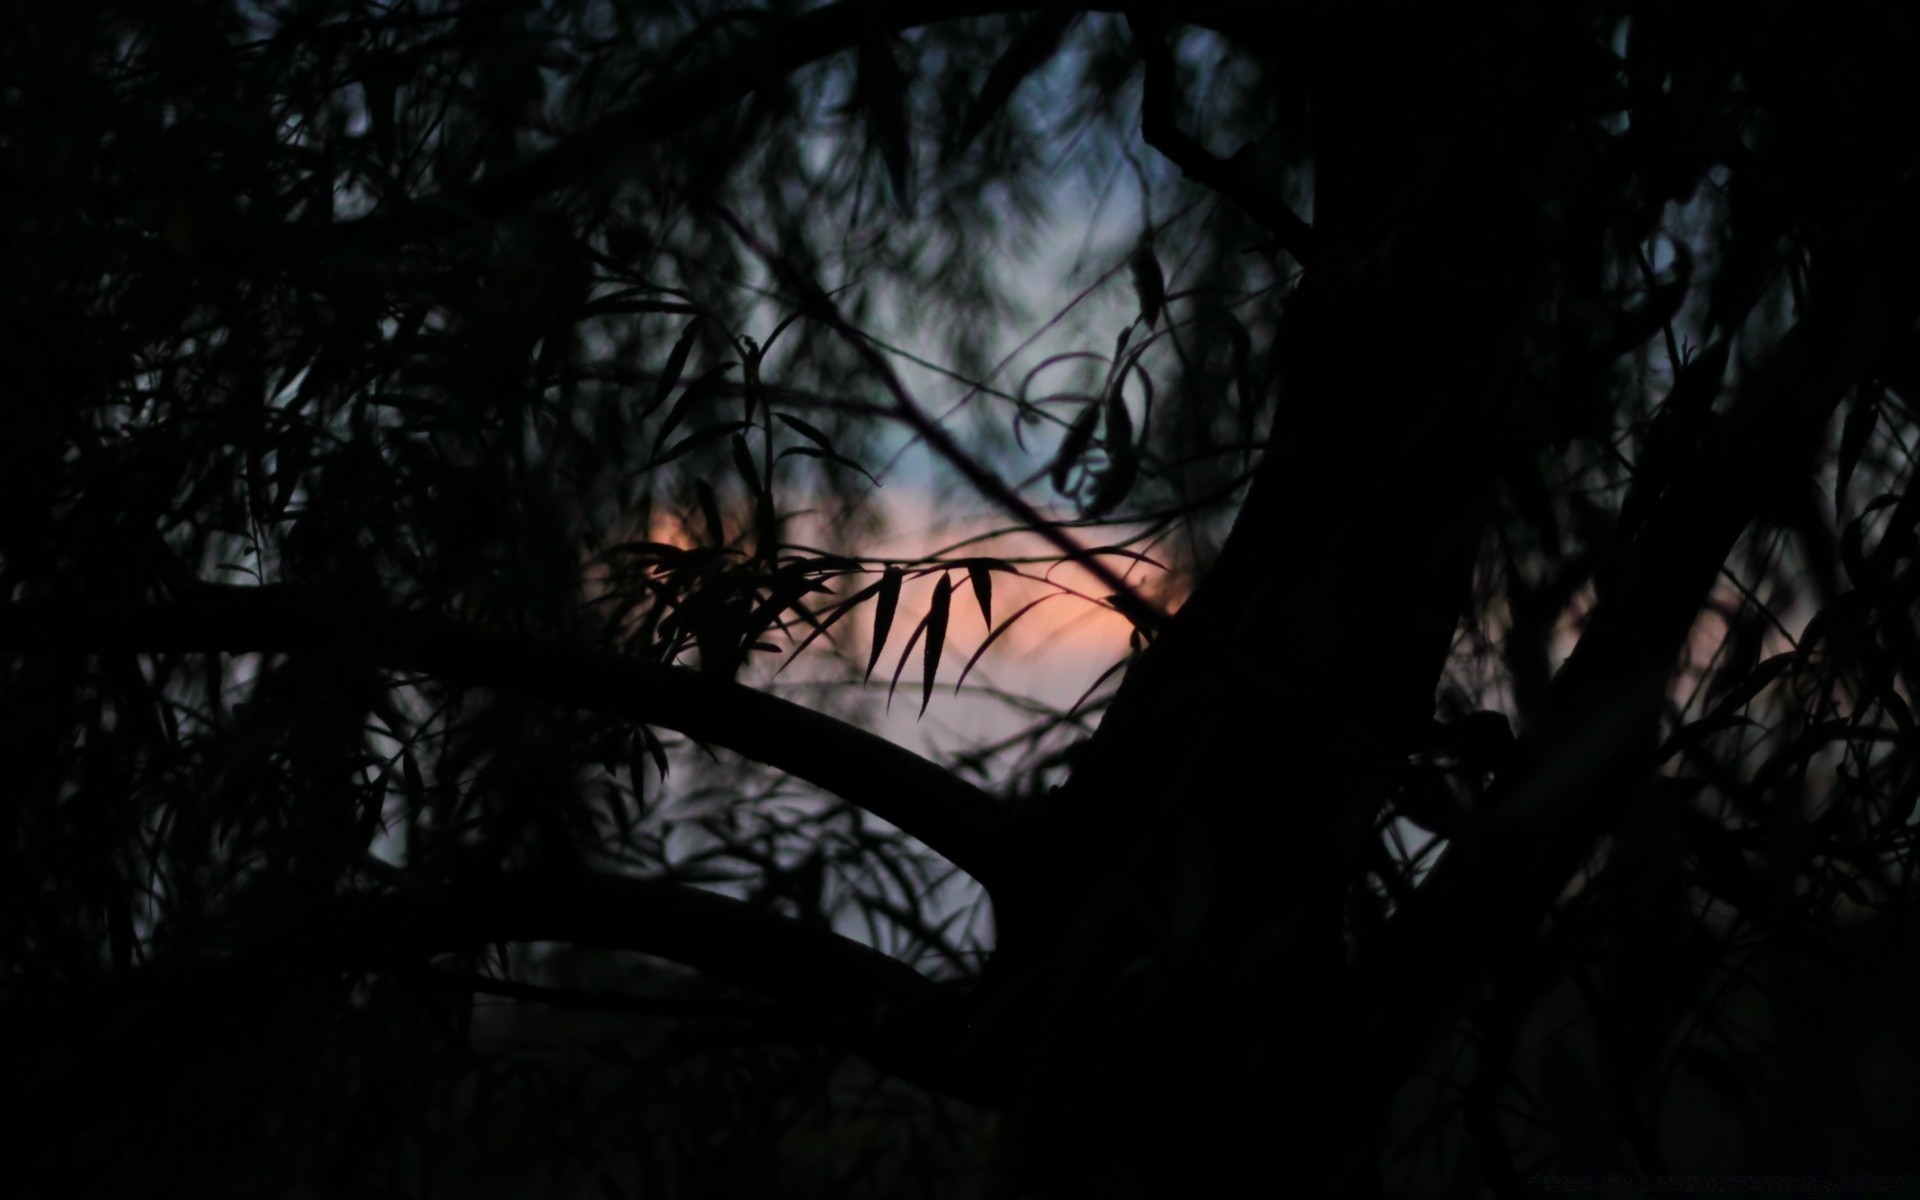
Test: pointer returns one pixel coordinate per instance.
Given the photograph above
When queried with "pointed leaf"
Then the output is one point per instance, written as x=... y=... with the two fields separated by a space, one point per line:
x=883 y=615
x=710 y=509
x=1843 y=620
x=1119 y=418
x=609 y=306
x=1135 y=555
x=828 y=456
x=785 y=323
x=1074 y=445
x=712 y=433
x=1123 y=465
x=1095 y=685
x=995 y=636
x=766 y=526
x=901 y=666
x=994 y=564
x=743 y=461
x=662 y=551
x=676 y=363
x=1757 y=679
x=981 y=577
x=820 y=627
x=936 y=636
x=1897 y=708
x=679 y=411
x=1149 y=283
x=806 y=430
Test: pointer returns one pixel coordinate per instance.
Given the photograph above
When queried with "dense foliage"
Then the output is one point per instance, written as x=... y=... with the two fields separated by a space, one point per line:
x=426 y=426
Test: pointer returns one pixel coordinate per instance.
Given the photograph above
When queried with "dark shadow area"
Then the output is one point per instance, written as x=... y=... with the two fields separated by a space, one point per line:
x=430 y=429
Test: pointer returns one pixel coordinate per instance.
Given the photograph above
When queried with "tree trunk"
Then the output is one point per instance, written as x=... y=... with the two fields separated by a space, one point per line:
x=1189 y=965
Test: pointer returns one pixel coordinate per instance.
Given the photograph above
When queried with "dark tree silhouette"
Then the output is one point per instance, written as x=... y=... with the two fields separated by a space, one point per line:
x=416 y=419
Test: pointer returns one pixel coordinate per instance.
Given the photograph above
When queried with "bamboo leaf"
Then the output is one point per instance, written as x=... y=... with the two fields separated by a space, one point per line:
x=679 y=411
x=994 y=564
x=1119 y=418
x=1149 y=283
x=647 y=550
x=1116 y=484
x=981 y=576
x=888 y=603
x=611 y=306
x=1135 y=555
x=743 y=461
x=1757 y=679
x=1726 y=715
x=710 y=509
x=995 y=636
x=1074 y=445
x=829 y=457
x=901 y=666
x=1123 y=465
x=766 y=525
x=712 y=433
x=820 y=627
x=806 y=430
x=676 y=363
x=936 y=636
x=1095 y=685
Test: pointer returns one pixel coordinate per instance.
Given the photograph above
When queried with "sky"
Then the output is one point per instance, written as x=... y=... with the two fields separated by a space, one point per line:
x=1063 y=645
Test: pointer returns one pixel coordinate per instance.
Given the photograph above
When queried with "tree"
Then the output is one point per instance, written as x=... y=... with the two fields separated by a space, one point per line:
x=409 y=415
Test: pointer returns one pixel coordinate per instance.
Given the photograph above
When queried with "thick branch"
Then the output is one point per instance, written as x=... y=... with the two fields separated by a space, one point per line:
x=1495 y=884
x=858 y=997
x=755 y=1012
x=950 y=815
x=815 y=985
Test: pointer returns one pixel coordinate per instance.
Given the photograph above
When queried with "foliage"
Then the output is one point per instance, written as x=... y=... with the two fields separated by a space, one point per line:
x=427 y=427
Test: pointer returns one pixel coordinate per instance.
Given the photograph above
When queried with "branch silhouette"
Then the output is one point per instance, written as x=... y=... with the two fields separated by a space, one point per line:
x=954 y=818
x=1495 y=883
x=859 y=997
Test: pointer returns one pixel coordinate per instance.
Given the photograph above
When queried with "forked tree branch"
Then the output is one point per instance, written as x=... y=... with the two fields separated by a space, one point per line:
x=1496 y=883
x=955 y=819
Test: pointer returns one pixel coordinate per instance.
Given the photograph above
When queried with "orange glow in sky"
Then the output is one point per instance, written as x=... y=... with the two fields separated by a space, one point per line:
x=1052 y=653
